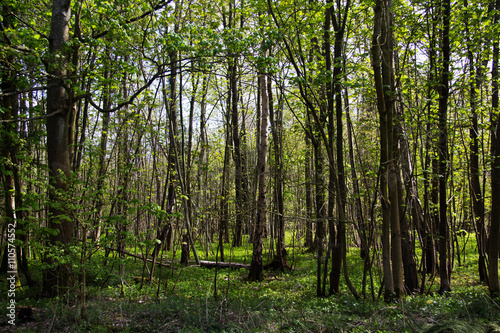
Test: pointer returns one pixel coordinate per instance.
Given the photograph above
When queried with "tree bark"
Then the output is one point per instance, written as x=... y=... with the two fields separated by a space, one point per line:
x=379 y=37
x=476 y=194
x=494 y=239
x=59 y=110
x=275 y=117
x=444 y=270
x=256 y=267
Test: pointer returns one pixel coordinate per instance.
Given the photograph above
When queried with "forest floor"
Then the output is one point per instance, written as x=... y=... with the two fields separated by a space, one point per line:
x=197 y=299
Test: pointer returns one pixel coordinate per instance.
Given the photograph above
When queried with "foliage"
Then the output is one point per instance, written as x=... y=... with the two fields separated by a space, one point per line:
x=182 y=300
x=152 y=148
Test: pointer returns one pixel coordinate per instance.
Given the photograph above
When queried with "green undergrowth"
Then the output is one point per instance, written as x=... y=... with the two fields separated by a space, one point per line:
x=196 y=299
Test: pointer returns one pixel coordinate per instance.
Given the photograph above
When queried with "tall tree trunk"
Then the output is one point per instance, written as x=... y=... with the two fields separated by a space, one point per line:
x=333 y=108
x=361 y=225
x=239 y=179
x=276 y=117
x=320 y=210
x=494 y=239
x=444 y=269
x=60 y=108
x=476 y=194
x=102 y=157
x=309 y=243
x=224 y=218
x=379 y=37
x=338 y=18
x=404 y=172
x=8 y=153
x=409 y=208
x=238 y=172
x=256 y=273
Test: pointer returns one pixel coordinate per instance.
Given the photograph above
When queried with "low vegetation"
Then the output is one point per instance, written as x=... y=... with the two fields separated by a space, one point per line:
x=195 y=299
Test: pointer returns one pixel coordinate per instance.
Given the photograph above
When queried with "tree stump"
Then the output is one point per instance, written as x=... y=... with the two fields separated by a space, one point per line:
x=185 y=250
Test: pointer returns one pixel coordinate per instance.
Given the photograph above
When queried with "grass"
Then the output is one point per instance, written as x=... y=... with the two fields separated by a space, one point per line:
x=184 y=300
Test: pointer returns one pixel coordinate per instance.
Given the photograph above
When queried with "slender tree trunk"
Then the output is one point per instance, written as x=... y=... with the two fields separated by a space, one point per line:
x=224 y=218
x=494 y=239
x=106 y=117
x=256 y=273
x=238 y=175
x=275 y=117
x=320 y=210
x=239 y=179
x=392 y=162
x=408 y=207
x=379 y=37
x=476 y=194
x=334 y=109
x=358 y=205
x=309 y=243
x=444 y=271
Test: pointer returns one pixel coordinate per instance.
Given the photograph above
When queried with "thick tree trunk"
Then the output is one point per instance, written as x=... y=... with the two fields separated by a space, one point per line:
x=59 y=110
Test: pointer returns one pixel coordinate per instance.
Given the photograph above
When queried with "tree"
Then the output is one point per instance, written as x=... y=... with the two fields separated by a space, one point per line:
x=60 y=111
x=444 y=269
x=255 y=273
x=493 y=241
x=475 y=59
x=382 y=62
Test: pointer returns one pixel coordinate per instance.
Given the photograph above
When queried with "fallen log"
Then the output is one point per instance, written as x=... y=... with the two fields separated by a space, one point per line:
x=141 y=257
x=213 y=264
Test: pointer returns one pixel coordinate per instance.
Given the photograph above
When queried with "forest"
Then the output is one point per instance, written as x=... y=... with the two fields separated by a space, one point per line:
x=250 y=165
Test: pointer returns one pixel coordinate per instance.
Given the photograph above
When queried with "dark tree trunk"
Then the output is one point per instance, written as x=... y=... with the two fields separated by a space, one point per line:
x=60 y=108
x=379 y=34
x=476 y=195
x=404 y=168
x=494 y=239
x=444 y=269
x=275 y=117
x=309 y=242
x=235 y=131
x=256 y=267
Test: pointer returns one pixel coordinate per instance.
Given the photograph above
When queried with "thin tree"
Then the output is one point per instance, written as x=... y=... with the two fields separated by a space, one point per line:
x=256 y=267
x=444 y=269
x=493 y=241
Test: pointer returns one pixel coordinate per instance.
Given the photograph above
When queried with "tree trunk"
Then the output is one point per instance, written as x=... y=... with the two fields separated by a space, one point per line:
x=99 y=202
x=59 y=110
x=379 y=36
x=444 y=270
x=276 y=131
x=476 y=194
x=338 y=18
x=256 y=266
x=233 y=97
x=494 y=238
x=309 y=243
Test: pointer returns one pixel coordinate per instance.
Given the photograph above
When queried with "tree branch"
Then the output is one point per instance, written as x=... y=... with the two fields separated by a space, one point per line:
x=159 y=6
